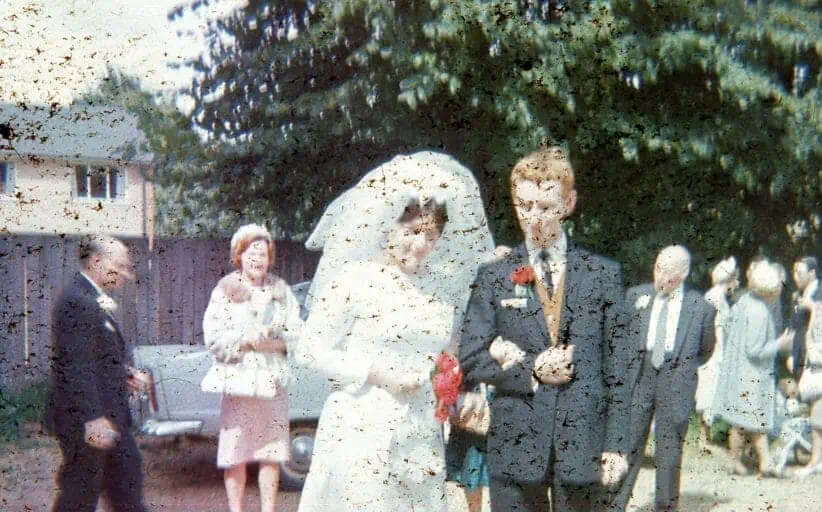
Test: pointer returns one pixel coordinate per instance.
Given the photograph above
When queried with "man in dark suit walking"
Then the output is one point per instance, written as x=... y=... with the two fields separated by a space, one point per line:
x=88 y=407
x=541 y=327
x=670 y=334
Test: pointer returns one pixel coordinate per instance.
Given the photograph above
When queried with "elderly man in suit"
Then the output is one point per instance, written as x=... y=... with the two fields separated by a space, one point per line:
x=670 y=331
x=88 y=408
x=541 y=327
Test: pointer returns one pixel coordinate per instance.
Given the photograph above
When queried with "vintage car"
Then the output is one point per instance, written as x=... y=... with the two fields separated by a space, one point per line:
x=175 y=407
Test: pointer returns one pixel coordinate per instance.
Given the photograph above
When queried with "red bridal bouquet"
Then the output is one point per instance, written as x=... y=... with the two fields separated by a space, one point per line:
x=447 y=379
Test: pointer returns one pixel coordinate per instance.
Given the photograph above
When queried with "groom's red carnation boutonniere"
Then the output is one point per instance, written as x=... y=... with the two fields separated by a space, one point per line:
x=447 y=380
x=523 y=279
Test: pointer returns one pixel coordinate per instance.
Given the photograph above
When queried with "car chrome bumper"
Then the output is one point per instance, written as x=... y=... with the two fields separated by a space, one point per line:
x=160 y=428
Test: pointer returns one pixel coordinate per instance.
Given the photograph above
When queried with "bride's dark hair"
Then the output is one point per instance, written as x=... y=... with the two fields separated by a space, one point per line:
x=415 y=209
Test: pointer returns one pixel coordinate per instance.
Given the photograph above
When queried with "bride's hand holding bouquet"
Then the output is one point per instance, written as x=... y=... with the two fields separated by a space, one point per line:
x=447 y=381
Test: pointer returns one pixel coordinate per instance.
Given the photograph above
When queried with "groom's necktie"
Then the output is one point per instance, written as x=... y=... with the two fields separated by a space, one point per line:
x=658 y=353
x=547 y=276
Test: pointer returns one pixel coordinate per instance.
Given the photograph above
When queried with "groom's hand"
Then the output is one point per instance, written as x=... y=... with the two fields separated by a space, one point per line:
x=555 y=366
x=506 y=353
x=613 y=468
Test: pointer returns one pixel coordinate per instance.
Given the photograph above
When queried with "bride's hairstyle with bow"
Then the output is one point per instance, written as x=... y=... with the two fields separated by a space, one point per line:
x=433 y=208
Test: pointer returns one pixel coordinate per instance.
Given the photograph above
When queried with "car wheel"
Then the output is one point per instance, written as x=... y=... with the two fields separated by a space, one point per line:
x=294 y=472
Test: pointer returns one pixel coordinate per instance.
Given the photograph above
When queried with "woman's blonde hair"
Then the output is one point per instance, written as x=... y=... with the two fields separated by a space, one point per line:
x=725 y=271
x=246 y=236
x=766 y=279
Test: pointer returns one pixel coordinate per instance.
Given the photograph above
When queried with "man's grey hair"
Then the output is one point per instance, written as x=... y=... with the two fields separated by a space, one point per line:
x=94 y=245
x=675 y=256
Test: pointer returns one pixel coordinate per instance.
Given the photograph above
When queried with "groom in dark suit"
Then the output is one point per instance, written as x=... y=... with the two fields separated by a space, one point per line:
x=88 y=406
x=541 y=327
x=670 y=334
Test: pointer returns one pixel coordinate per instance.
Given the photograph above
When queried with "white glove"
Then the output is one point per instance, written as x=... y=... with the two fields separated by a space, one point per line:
x=506 y=353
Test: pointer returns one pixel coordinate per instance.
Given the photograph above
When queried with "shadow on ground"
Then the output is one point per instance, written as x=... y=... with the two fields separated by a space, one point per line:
x=691 y=503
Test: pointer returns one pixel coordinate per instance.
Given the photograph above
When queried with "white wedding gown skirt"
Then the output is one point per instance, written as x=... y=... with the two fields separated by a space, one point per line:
x=376 y=451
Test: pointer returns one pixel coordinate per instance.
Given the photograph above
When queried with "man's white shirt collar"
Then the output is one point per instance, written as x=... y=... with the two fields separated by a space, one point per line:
x=103 y=299
x=677 y=293
x=557 y=252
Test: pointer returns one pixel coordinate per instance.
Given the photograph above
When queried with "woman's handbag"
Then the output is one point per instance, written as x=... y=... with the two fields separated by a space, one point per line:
x=237 y=380
x=473 y=412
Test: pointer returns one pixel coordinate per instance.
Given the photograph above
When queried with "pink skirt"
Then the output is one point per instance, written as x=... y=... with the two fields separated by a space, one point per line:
x=253 y=430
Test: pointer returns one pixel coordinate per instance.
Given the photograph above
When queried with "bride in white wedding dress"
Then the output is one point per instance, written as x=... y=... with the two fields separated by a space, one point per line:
x=395 y=281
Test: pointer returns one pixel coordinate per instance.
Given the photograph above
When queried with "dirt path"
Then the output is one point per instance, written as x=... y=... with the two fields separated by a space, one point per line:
x=185 y=480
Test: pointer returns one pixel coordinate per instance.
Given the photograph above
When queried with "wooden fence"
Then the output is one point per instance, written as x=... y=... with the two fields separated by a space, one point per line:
x=164 y=306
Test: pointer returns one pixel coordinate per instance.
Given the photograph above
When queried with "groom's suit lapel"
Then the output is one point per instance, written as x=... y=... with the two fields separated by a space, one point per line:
x=533 y=309
x=574 y=275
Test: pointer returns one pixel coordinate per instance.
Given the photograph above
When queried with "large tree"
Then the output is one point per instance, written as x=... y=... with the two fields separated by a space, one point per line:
x=687 y=120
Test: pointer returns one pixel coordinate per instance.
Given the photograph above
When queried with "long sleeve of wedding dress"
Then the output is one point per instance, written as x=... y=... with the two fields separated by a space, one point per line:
x=322 y=344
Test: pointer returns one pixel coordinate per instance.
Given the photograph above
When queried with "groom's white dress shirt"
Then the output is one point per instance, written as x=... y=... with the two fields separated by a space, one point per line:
x=557 y=258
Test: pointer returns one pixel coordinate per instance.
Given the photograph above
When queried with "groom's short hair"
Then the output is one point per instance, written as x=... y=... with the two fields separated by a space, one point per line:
x=547 y=164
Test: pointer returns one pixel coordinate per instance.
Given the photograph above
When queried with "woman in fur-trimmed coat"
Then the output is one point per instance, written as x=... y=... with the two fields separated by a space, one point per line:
x=251 y=321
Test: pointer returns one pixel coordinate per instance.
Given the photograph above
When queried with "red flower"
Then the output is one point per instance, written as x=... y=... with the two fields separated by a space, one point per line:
x=447 y=386
x=446 y=362
x=523 y=275
x=447 y=380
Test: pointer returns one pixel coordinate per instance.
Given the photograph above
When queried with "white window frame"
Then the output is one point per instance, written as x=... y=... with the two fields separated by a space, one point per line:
x=109 y=170
x=10 y=182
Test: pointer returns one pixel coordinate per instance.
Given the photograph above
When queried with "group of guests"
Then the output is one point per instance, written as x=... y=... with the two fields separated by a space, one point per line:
x=574 y=367
x=740 y=383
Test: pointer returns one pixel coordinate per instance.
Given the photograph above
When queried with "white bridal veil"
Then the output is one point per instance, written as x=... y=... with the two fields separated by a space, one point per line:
x=355 y=226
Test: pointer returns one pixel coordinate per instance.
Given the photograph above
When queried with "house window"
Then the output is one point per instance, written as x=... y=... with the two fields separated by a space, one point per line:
x=6 y=178
x=100 y=183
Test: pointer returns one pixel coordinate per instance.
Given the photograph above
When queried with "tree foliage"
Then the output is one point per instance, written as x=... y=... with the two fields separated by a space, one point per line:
x=692 y=121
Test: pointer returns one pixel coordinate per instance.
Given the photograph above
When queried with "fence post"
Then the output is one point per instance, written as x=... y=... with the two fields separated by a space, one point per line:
x=26 y=340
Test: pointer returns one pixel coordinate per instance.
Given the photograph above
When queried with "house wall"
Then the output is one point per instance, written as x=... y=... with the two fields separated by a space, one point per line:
x=45 y=203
